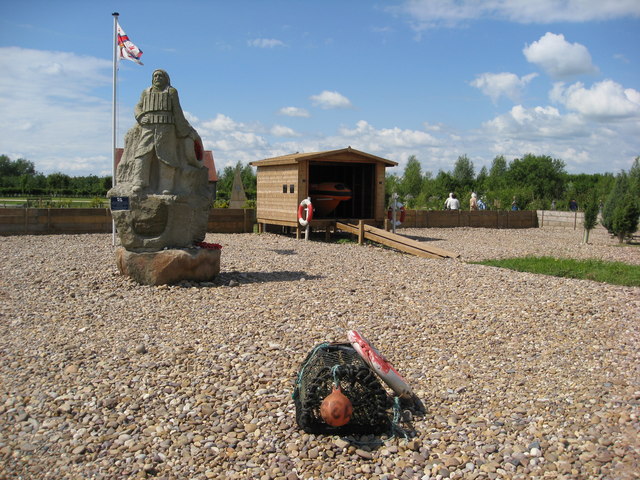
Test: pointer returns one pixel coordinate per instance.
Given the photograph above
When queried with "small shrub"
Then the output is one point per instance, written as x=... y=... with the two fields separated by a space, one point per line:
x=625 y=217
x=97 y=202
x=590 y=218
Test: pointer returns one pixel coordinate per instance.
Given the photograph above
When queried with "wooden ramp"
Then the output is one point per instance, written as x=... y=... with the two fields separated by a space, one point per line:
x=394 y=240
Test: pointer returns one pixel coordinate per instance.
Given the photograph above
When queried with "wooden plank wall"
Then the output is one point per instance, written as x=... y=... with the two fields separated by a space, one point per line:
x=29 y=221
x=272 y=202
x=231 y=220
x=463 y=218
x=47 y=221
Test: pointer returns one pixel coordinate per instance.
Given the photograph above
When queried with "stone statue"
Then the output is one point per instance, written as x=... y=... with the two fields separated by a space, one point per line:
x=162 y=174
x=162 y=127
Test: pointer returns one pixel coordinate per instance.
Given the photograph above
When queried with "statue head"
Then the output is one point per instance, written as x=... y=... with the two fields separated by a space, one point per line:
x=160 y=79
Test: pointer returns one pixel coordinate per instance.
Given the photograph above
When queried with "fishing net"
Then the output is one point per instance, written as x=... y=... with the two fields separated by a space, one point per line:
x=339 y=363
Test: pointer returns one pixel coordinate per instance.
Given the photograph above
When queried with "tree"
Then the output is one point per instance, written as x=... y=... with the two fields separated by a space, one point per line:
x=10 y=168
x=619 y=190
x=590 y=217
x=481 y=179
x=391 y=184
x=634 y=178
x=443 y=185
x=58 y=182
x=497 y=174
x=625 y=217
x=622 y=208
x=543 y=174
x=225 y=181
x=411 y=183
x=464 y=174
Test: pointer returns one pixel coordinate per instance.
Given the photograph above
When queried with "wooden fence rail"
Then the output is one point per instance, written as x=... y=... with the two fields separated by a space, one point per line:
x=33 y=221
x=464 y=218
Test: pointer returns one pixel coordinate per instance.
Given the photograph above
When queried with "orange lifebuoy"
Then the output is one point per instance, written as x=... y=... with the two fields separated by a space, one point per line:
x=302 y=218
x=400 y=219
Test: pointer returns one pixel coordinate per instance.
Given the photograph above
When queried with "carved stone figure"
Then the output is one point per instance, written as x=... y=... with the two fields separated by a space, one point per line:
x=162 y=125
x=162 y=174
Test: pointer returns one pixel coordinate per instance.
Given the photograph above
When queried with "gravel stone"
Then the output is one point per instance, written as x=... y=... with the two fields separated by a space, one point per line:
x=523 y=376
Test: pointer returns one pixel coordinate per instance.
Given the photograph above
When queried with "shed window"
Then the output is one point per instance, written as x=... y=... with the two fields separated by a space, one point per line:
x=291 y=188
x=284 y=189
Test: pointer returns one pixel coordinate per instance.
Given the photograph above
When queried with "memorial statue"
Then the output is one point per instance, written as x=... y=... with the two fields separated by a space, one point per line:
x=162 y=126
x=162 y=174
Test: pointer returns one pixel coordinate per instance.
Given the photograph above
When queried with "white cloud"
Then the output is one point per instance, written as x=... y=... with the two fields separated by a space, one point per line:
x=244 y=142
x=53 y=116
x=282 y=131
x=521 y=122
x=50 y=112
x=505 y=84
x=558 y=57
x=621 y=58
x=328 y=100
x=546 y=11
x=583 y=144
x=395 y=137
x=605 y=100
x=221 y=123
x=433 y=13
x=294 y=112
x=266 y=43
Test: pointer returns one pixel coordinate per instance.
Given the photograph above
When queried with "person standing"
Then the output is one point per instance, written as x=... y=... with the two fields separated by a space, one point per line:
x=453 y=203
x=473 y=202
x=447 y=202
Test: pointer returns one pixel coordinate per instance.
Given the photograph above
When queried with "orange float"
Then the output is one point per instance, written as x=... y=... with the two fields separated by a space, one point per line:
x=336 y=408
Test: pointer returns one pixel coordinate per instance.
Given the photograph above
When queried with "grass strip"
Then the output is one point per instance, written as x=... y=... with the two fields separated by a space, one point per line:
x=615 y=273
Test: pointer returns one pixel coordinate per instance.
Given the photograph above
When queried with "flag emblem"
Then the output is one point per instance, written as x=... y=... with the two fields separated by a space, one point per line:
x=126 y=48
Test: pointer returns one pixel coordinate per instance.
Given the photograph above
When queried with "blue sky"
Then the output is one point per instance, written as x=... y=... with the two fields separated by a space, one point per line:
x=432 y=78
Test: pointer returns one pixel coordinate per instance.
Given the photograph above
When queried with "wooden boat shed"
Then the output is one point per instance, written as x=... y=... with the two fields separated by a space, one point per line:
x=283 y=182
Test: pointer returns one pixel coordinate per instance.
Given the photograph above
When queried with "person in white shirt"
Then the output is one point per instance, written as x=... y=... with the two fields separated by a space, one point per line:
x=452 y=202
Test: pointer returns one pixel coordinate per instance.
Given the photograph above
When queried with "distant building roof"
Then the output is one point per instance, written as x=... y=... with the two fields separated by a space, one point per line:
x=210 y=163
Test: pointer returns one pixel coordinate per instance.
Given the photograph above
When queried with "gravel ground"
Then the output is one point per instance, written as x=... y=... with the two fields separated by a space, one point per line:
x=523 y=376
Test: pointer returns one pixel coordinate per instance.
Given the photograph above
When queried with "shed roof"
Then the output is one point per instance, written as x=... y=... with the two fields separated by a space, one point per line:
x=297 y=157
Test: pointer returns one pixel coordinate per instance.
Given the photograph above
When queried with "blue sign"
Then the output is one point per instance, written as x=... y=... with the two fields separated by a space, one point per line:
x=119 y=203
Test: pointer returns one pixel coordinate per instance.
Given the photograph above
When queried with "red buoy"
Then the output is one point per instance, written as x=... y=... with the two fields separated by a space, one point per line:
x=336 y=408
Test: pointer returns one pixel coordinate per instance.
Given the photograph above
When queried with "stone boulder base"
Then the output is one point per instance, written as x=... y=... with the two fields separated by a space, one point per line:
x=169 y=266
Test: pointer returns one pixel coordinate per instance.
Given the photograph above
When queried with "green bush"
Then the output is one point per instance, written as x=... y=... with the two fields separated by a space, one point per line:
x=97 y=202
x=625 y=217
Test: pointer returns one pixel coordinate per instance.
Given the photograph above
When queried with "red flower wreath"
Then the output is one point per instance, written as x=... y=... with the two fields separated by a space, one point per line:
x=209 y=246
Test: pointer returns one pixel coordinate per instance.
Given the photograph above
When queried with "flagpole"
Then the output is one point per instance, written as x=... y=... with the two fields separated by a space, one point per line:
x=113 y=111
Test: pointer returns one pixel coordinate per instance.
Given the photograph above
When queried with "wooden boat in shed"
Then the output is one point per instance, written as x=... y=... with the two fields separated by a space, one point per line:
x=326 y=196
